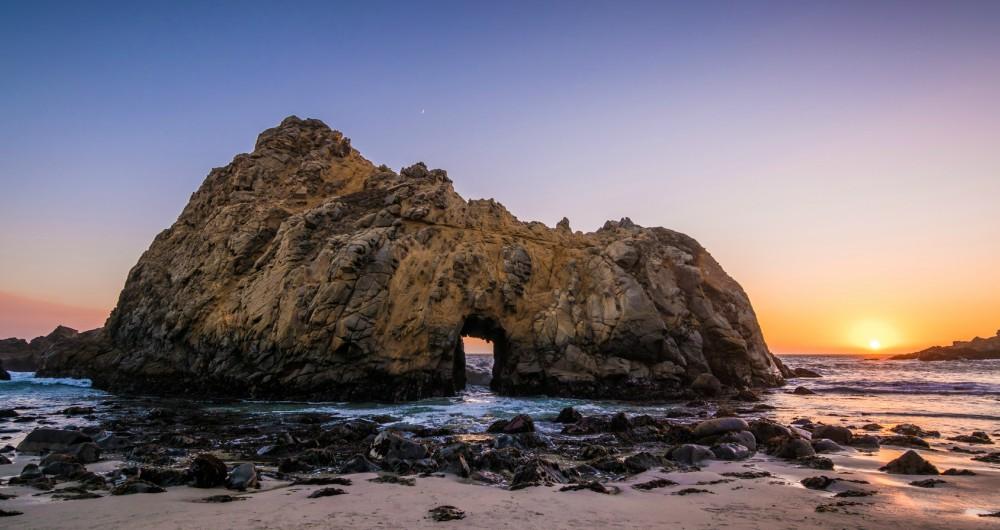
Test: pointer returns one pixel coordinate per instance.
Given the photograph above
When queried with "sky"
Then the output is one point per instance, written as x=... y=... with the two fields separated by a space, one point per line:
x=841 y=160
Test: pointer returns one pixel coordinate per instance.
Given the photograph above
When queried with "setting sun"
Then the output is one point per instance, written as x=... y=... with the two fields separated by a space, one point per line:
x=874 y=344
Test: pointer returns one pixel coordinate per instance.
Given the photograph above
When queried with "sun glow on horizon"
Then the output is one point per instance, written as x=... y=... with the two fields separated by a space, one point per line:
x=874 y=344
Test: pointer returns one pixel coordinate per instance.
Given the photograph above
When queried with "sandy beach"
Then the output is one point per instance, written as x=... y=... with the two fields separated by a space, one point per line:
x=777 y=501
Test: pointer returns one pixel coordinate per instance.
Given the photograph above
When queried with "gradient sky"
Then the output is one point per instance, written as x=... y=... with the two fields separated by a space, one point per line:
x=841 y=160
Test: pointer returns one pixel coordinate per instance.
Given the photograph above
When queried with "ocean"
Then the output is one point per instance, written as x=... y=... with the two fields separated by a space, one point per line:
x=954 y=397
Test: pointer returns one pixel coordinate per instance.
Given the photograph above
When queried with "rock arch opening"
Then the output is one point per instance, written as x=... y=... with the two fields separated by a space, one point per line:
x=481 y=353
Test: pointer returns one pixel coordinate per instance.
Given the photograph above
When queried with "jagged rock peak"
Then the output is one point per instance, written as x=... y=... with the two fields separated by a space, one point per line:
x=304 y=270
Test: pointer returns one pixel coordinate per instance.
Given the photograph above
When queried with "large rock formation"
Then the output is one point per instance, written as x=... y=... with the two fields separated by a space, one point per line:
x=975 y=349
x=20 y=355
x=303 y=270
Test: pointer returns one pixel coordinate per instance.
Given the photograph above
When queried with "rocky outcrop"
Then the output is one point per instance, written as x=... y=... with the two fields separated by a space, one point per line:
x=4 y=376
x=303 y=270
x=20 y=355
x=975 y=349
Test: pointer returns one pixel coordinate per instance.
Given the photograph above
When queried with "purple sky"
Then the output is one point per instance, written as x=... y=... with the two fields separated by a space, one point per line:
x=841 y=160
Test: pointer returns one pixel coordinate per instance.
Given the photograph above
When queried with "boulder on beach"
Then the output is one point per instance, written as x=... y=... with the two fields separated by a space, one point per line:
x=824 y=445
x=44 y=440
x=242 y=477
x=569 y=415
x=804 y=372
x=719 y=426
x=909 y=429
x=690 y=454
x=841 y=435
x=517 y=424
x=793 y=448
x=207 y=471
x=910 y=463
x=744 y=438
x=390 y=270
x=802 y=391
x=730 y=451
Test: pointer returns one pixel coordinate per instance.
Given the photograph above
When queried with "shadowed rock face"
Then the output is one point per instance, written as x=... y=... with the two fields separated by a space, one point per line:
x=303 y=270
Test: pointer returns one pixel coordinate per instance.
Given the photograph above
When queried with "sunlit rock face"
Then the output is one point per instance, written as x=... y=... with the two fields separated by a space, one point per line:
x=303 y=270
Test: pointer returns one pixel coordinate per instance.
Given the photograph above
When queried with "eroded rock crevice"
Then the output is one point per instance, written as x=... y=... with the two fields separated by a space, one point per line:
x=304 y=270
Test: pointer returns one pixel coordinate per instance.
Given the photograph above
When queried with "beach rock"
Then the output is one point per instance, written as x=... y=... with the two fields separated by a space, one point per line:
x=4 y=460
x=992 y=458
x=804 y=372
x=744 y=438
x=536 y=472
x=31 y=472
x=747 y=396
x=654 y=484
x=959 y=472
x=326 y=492
x=242 y=477
x=766 y=430
x=872 y=427
x=690 y=454
x=8 y=413
x=112 y=442
x=803 y=391
x=841 y=435
x=927 y=483
x=816 y=462
x=904 y=441
x=824 y=445
x=51 y=440
x=207 y=471
x=569 y=415
x=866 y=441
x=977 y=437
x=719 y=426
x=134 y=485
x=446 y=513
x=20 y=355
x=77 y=411
x=909 y=429
x=592 y=452
x=390 y=447
x=164 y=477
x=620 y=423
x=793 y=448
x=85 y=453
x=4 y=375
x=303 y=271
x=61 y=465
x=591 y=485
x=642 y=461
x=910 y=463
x=818 y=483
x=730 y=451
x=359 y=464
x=518 y=424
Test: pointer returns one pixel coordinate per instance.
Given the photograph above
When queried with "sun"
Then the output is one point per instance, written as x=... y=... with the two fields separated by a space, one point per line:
x=874 y=344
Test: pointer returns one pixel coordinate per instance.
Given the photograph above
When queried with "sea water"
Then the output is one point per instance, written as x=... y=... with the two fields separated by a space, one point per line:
x=952 y=397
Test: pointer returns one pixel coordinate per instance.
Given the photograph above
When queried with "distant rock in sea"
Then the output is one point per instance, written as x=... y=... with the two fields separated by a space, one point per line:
x=304 y=270
x=975 y=349
x=20 y=355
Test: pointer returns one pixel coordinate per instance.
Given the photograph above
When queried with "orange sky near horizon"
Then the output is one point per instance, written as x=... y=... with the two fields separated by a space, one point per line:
x=828 y=326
